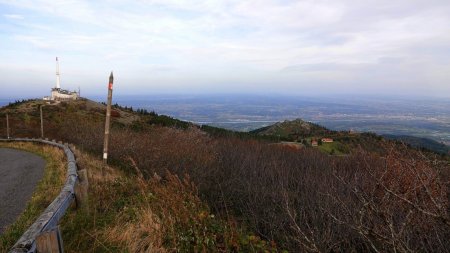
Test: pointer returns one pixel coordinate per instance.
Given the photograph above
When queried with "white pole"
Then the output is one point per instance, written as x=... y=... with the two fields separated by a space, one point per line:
x=58 y=85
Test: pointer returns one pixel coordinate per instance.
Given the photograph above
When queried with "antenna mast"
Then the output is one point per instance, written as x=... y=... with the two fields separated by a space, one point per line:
x=58 y=82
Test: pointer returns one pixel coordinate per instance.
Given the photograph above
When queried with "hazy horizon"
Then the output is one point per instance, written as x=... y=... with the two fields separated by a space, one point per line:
x=341 y=97
x=420 y=117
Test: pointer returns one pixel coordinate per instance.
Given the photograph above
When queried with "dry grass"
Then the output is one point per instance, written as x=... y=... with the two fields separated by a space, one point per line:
x=142 y=236
x=133 y=214
x=118 y=219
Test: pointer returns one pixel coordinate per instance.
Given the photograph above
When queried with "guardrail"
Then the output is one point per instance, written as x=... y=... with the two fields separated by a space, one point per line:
x=49 y=219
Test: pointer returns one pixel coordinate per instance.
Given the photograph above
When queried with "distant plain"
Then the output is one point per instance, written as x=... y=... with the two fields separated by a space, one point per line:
x=429 y=118
x=424 y=117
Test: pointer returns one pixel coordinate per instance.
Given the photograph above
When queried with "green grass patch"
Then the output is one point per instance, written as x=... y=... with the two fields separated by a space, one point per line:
x=333 y=148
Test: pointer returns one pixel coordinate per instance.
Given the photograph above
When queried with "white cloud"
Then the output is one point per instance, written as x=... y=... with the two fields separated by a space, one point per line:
x=255 y=42
x=13 y=16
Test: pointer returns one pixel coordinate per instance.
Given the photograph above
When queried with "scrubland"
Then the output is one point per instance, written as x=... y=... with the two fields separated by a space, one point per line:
x=185 y=190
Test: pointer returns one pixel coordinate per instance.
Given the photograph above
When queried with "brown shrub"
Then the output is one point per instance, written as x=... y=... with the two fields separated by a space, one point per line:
x=302 y=199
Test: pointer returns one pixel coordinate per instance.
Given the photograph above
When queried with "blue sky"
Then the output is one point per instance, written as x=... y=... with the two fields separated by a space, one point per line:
x=382 y=47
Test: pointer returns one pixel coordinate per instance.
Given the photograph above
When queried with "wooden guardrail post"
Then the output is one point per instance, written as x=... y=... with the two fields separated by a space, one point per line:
x=7 y=126
x=81 y=189
x=42 y=122
x=50 y=241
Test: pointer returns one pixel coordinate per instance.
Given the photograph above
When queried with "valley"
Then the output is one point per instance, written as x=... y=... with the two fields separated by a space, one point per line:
x=428 y=118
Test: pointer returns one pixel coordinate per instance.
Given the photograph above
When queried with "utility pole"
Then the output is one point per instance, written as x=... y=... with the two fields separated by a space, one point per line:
x=42 y=122
x=7 y=126
x=108 y=118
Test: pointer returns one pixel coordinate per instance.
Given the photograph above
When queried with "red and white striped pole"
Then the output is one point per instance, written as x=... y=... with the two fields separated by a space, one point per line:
x=108 y=118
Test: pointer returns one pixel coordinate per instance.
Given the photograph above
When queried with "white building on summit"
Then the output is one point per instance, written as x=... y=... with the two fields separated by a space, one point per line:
x=59 y=94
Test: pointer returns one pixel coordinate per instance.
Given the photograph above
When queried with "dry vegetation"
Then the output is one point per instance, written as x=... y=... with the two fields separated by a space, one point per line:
x=392 y=200
x=130 y=213
x=302 y=199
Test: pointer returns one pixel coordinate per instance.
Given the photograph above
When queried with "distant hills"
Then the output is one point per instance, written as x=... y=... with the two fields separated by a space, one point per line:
x=292 y=130
x=429 y=118
x=298 y=129
x=419 y=142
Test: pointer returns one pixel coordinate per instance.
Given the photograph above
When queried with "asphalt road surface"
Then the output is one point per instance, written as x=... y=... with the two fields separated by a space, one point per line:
x=20 y=172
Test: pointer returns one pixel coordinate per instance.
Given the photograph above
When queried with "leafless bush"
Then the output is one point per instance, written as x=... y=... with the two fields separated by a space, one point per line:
x=397 y=203
x=302 y=199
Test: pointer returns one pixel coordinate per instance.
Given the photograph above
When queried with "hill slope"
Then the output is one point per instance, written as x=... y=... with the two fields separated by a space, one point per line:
x=420 y=142
x=296 y=199
x=294 y=129
x=130 y=209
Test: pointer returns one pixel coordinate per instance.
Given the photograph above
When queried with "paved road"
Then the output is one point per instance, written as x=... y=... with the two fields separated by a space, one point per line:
x=20 y=172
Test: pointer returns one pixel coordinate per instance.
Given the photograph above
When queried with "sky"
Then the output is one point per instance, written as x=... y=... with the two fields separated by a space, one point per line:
x=372 y=47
